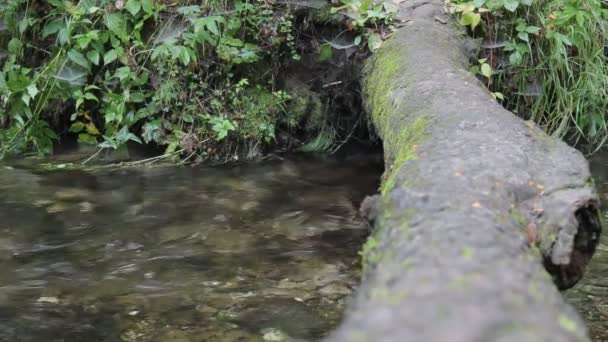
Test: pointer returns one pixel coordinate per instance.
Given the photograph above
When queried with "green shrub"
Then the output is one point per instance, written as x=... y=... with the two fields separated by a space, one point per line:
x=548 y=59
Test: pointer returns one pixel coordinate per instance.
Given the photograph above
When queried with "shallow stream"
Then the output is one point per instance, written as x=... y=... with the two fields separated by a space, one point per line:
x=255 y=252
x=590 y=295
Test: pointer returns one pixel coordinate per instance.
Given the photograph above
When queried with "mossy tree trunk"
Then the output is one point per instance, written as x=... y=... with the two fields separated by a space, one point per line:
x=476 y=205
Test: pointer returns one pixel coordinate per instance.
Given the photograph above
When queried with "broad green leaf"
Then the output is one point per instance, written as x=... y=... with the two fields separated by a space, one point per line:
x=77 y=127
x=122 y=73
x=470 y=19
x=133 y=6
x=91 y=129
x=116 y=23
x=52 y=28
x=532 y=29
x=91 y=96
x=357 y=40
x=523 y=36
x=93 y=56
x=86 y=138
x=109 y=57
x=148 y=6
x=78 y=58
x=511 y=5
x=32 y=90
x=14 y=46
x=486 y=70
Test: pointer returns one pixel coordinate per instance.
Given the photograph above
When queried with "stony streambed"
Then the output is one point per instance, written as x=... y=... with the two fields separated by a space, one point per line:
x=258 y=252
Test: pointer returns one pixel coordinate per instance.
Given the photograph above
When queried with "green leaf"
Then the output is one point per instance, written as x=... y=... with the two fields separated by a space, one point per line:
x=374 y=41
x=486 y=70
x=122 y=73
x=325 y=52
x=148 y=6
x=533 y=29
x=133 y=6
x=78 y=58
x=86 y=138
x=92 y=130
x=470 y=19
x=523 y=36
x=14 y=46
x=116 y=23
x=498 y=95
x=515 y=58
x=526 y=2
x=511 y=5
x=32 y=90
x=91 y=96
x=109 y=57
x=52 y=28
x=93 y=56
x=152 y=131
x=77 y=127
x=358 y=40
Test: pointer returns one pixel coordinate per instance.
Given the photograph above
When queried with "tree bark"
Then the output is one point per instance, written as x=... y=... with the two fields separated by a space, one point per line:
x=474 y=202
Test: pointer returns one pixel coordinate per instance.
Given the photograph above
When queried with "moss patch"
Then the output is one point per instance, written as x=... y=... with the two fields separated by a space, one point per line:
x=404 y=149
x=379 y=84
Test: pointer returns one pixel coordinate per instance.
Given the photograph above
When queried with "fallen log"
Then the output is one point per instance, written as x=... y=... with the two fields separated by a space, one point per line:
x=474 y=202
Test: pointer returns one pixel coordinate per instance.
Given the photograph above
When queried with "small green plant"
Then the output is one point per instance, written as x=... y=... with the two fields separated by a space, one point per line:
x=548 y=58
x=370 y=18
x=142 y=70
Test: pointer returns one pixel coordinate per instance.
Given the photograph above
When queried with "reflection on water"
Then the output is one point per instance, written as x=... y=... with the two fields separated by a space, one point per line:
x=590 y=296
x=243 y=253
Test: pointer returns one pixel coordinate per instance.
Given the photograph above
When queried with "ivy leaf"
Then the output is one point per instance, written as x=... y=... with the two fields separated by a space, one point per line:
x=133 y=6
x=511 y=5
x=152 y=131
x=93 y=56
x=78 y=58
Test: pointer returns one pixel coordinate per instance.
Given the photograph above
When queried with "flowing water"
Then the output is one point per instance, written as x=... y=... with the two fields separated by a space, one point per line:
x=590 y=296
x=253 y=252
